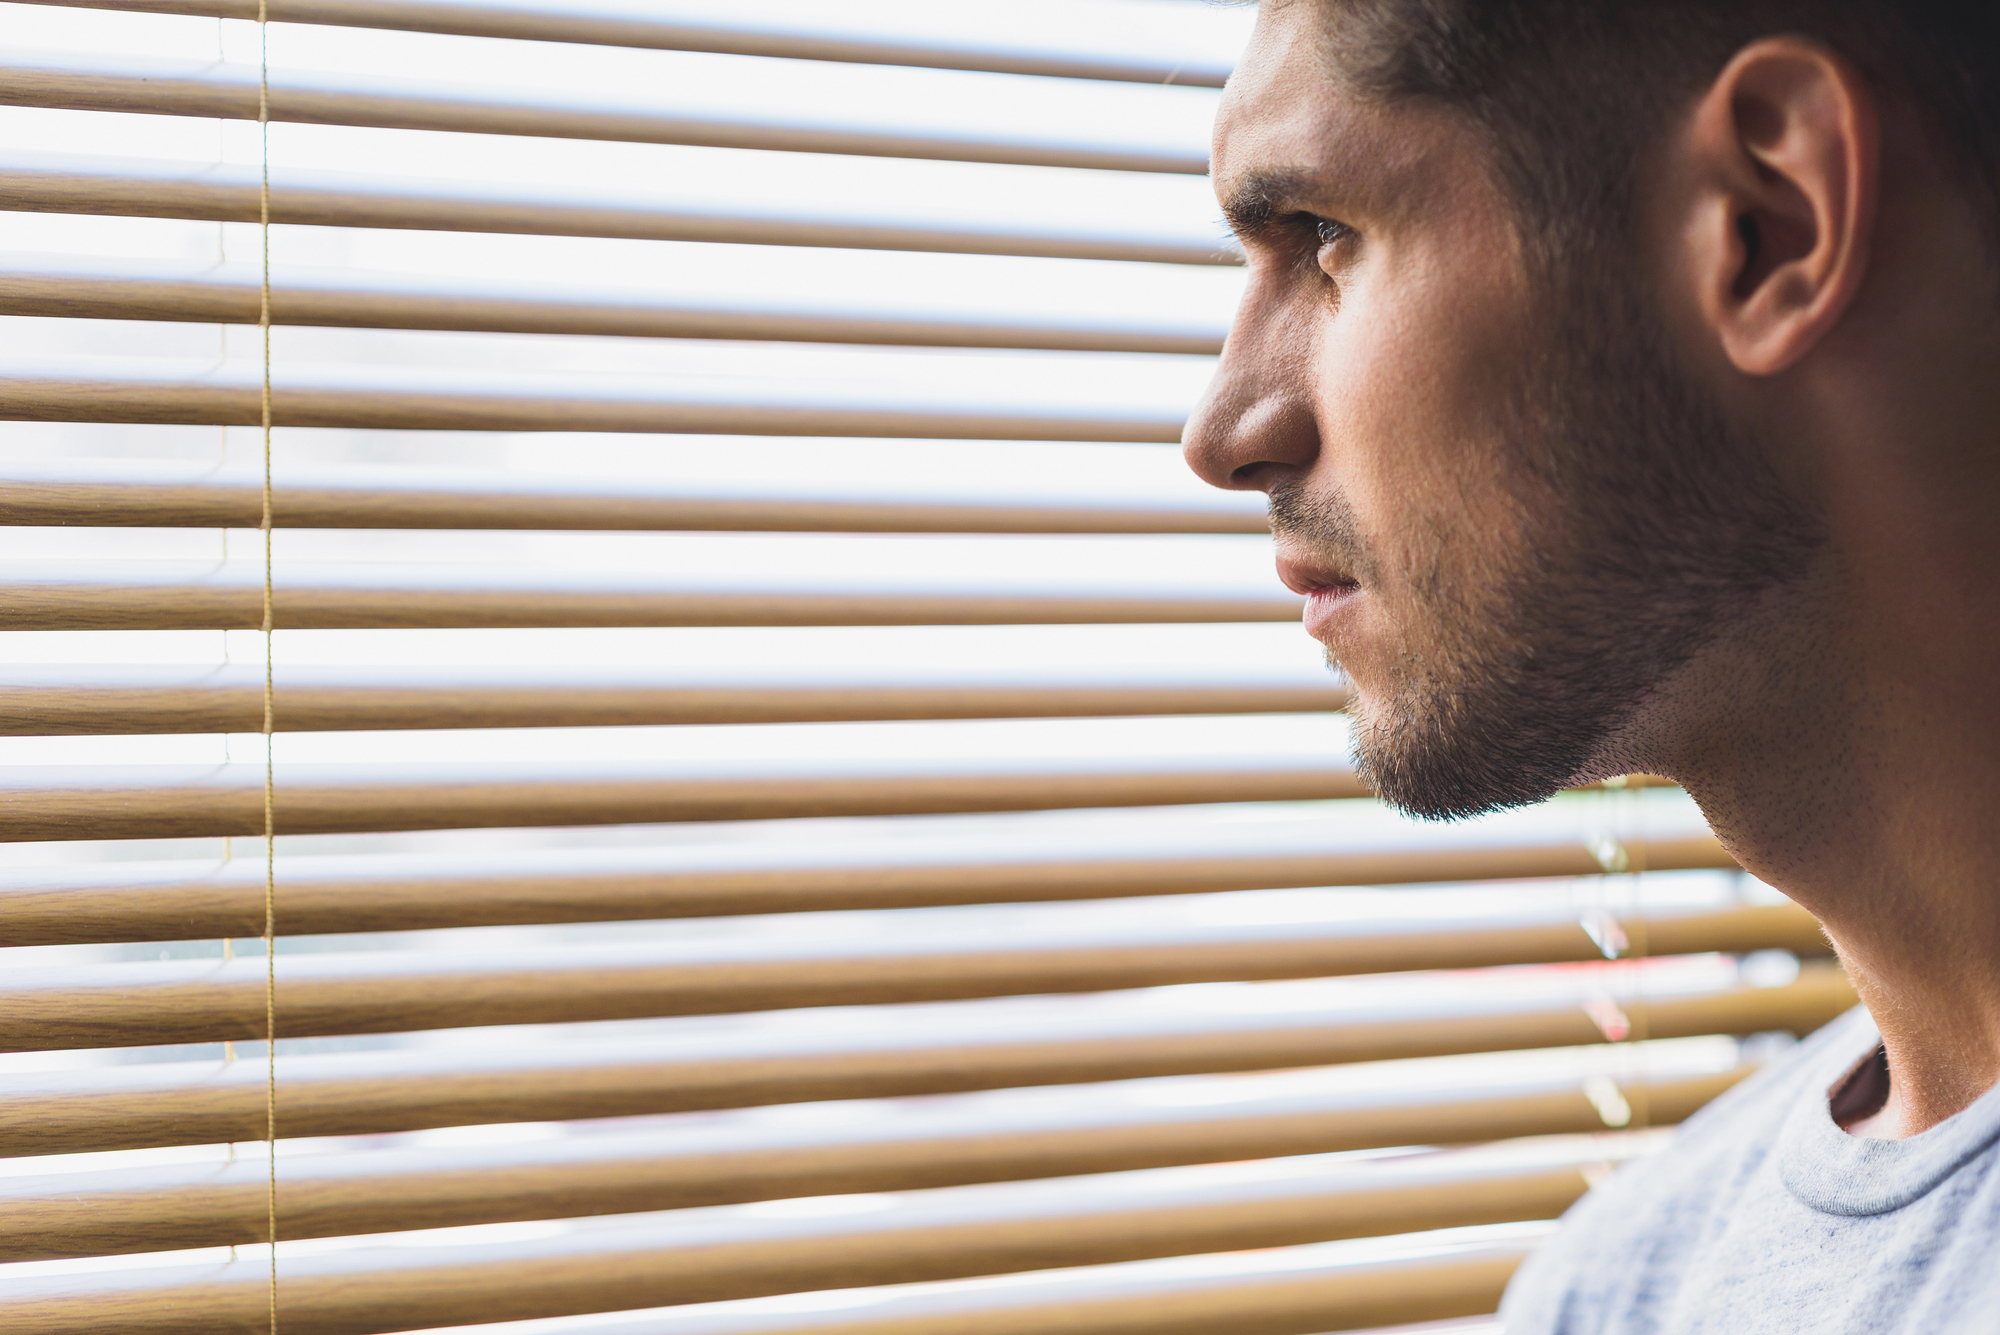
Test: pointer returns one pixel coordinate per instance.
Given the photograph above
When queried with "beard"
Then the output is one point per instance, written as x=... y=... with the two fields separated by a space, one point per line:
x=1645 y=528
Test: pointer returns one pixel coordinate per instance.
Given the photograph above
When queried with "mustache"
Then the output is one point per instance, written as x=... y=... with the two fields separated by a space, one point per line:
x=1323 y=522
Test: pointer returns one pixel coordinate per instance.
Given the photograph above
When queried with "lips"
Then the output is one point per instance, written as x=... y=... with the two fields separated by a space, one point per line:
x=1326 y=591
x=1323 y=608
x=1304 y=575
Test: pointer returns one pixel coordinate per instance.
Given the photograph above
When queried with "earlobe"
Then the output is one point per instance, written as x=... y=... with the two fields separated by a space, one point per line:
x=1785 y=151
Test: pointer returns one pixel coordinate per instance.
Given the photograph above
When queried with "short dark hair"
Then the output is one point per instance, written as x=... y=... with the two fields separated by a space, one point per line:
x=1575 y=92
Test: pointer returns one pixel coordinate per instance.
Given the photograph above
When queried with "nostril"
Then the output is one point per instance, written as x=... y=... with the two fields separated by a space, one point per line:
x=1259 y=476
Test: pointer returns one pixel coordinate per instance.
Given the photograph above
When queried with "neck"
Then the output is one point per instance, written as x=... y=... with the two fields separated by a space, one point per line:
x=1859 y=769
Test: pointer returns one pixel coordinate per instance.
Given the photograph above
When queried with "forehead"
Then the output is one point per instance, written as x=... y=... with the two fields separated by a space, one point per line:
x=1288 y=117
x=1286 y=67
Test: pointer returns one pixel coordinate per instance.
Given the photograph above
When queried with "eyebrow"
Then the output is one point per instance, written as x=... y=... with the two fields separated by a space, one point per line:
x=1254 y=202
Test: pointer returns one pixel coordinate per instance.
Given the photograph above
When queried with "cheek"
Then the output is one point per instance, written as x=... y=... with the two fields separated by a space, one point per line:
x=1410 y=389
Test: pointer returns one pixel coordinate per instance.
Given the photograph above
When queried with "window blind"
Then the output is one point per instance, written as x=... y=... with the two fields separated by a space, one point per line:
x=790 y=812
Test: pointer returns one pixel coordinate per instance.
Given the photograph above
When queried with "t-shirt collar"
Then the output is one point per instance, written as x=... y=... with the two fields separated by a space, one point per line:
x=1836 y=1173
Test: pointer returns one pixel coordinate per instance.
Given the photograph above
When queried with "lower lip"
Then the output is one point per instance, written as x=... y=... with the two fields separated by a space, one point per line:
x=1324 y=605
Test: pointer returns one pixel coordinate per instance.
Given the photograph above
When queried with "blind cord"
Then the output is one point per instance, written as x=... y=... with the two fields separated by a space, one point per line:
x=270 y=770
x=1635 y=804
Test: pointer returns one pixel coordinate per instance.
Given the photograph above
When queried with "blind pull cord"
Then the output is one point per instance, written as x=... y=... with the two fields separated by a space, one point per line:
x=270 y=771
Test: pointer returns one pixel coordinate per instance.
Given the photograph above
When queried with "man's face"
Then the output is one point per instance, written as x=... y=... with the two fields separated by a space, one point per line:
x=1483 y=488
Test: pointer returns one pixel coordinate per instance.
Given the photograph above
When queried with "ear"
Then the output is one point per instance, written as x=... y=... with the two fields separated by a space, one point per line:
x=1785 y=157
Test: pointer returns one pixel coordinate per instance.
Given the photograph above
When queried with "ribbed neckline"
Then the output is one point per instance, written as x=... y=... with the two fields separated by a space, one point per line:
x=1836 y=1173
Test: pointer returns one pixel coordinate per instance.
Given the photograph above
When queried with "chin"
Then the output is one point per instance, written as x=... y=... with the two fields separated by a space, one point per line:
x=1446 y=756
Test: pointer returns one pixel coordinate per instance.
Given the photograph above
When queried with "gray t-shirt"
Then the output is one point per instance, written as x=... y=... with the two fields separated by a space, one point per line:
x=1765 y=1218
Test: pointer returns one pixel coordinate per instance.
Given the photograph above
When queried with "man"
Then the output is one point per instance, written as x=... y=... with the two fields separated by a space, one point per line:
x=1625 y=378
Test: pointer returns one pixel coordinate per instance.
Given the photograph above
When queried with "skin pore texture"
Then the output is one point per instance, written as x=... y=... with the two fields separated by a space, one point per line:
x=1720 y=503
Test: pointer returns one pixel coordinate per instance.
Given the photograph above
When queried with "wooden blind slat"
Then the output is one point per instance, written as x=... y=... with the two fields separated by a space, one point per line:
x=144 y=1210
x=185 y=801
x=187 y=88
x=1458 y=1282
x=742 y=35
x=189 y=595
x=391 y=399
x=220 y=192
x=1455 y=1282
x=83 y=698
x=186 y=1001
x=194 y=900
x=145 y=493
x=381 y=1092
x=81 y=288
x=336 y=1296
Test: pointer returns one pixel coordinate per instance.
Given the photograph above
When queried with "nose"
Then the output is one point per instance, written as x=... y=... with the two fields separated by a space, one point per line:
x=1254 y=426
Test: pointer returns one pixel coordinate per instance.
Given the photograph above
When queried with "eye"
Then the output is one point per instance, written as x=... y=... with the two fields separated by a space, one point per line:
x=1330 y=231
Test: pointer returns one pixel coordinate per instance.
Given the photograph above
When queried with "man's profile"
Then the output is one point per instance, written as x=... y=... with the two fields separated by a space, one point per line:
x=1625 y=378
